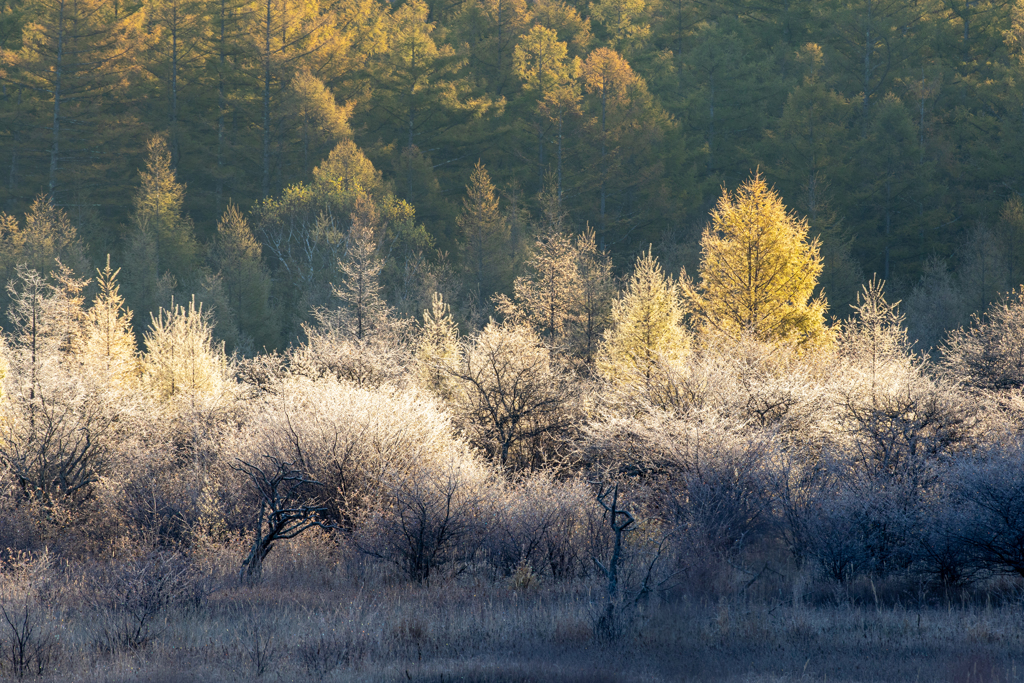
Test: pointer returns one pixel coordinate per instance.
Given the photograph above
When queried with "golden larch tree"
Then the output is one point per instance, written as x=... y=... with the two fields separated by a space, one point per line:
x=758 y=270
x=647 y=328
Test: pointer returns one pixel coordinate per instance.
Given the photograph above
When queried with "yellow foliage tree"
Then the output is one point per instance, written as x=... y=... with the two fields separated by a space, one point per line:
x=109 y=341
x=647 y=329
x=182 y=360
x=758 y=271
x=438 y=346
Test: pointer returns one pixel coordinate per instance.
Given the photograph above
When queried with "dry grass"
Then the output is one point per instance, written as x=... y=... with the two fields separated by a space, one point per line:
x=315 y=619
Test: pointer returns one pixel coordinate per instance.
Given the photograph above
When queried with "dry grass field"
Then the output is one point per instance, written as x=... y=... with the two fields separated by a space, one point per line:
x=318 y=615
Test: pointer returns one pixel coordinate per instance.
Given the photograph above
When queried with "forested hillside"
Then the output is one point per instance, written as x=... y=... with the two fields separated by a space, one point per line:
x=896 y=128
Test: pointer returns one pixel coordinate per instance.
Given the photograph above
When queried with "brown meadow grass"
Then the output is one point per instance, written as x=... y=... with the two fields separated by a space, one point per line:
x=323 y=615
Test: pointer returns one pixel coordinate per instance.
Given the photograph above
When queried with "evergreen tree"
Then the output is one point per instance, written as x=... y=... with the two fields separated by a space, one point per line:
x=246 y=283
x=485 y=235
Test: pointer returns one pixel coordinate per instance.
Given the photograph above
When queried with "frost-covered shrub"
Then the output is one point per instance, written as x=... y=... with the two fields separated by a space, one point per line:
x=990 y=490
x=546 y=524
x=392 y=470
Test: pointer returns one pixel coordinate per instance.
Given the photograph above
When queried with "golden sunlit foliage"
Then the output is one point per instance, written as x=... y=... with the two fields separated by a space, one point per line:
x=647 y=326
x=758 y=271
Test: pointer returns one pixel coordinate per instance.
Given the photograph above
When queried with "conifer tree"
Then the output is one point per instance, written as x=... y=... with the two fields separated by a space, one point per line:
x=485 y=236
x=73 y=56
x=543 y=64
x=246 y=283
x=596 y=291
x=647 y=326
x=47 y=234
x=109 y=342
x=178 y=34
x=159 y=209
x=360 y=289
x=182 y=360
x=758 y=271
x=438 y=346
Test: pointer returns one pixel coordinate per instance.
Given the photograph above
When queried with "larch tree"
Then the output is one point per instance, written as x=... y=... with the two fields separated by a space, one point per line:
x=542 y=62
x=159 y=209
x=758 y=271
x=178 y=35
x=182 y=360
x=322 y=122
x=72 y=56
x=566 y=294
x=283 y=37
x=360 y=289
x=109 y=341
x=438 y=346
x=493 y=28
x=47 y=234
x=608 y=76
x=647 y=326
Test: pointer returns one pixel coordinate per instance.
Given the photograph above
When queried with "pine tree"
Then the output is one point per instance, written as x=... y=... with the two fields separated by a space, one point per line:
x=758 y=271
x=647 y=326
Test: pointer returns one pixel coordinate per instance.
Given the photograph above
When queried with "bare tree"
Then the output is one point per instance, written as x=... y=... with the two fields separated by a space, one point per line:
x=510 y=393
x=620 y=521
x=286 y=508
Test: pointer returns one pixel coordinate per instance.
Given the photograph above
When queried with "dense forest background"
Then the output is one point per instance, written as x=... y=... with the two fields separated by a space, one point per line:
x=896 y=128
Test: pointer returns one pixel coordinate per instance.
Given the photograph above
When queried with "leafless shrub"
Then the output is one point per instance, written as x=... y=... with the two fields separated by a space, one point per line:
x=326 y=651
x=897 y=431
x=432 y=517
x=543 y=523
x=29 y=646
x=510 y=394
x=942 y=554
x=330 y=352
x=989 y=354
x=991 y=491
x=58 y=435
x=288 y=506
x=258 y=644
x=350 y=438
x=704 y=474
x=129 y=598
x=852 y=527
